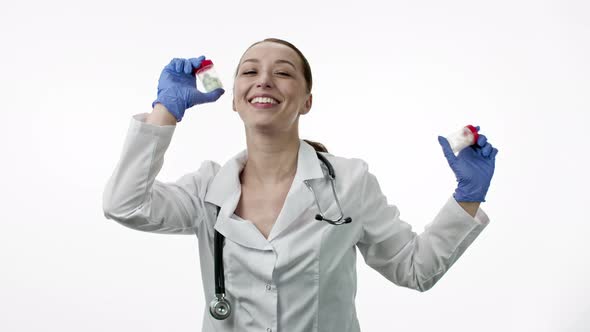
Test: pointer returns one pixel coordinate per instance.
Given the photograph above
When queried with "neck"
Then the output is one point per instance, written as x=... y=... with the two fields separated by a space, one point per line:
x=271 y=160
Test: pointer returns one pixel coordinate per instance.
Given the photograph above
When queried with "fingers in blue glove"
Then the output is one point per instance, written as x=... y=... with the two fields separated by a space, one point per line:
x=196 y=62
x=177 y=65
x=482 y=140
x=473 y=167
x=185 y=65
x=494 y=153
x=188 y=68
x=212 y=96
x=198 y=97
x=486 y=150
x=448 y=152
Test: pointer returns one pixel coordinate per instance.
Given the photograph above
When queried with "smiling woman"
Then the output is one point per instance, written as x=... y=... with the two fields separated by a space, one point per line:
x=265 y=219
x=306 y=75
x=291 y=67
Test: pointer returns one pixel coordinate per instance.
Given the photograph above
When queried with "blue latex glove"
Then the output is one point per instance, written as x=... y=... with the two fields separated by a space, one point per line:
x=473 y=168
x=177 y=87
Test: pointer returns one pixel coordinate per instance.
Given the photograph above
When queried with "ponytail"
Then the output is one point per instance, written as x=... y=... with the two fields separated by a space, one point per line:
x=319 y=147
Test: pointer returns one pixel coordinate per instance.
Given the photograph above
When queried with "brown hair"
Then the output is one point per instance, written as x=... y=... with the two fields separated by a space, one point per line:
x=317 y=145
x=306 y=74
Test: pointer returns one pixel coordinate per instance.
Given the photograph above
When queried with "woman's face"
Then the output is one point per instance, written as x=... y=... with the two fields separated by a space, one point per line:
x=269 y=89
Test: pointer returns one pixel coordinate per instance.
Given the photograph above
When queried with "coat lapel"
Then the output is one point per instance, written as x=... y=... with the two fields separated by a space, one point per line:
x=225 y=190
x=299 y=197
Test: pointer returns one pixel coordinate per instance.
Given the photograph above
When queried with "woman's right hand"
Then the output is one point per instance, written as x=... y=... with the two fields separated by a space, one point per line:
x=177 y=87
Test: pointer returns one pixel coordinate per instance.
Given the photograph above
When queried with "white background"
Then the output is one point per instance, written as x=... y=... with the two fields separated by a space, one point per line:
x=388 y=78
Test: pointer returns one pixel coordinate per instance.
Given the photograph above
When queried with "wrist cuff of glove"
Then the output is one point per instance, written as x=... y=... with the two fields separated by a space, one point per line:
x=172 y=107
x=462 y=197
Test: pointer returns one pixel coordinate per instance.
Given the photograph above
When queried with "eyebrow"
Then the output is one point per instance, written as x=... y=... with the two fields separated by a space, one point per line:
x=278 y=61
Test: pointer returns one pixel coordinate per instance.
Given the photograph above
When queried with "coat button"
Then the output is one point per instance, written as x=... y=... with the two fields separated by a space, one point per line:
x=268 y=287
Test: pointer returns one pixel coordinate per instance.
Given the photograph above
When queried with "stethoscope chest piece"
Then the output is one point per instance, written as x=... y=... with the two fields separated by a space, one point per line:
x=220 y=308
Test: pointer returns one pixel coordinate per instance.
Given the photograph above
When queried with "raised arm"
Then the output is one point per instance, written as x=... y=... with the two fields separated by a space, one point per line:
x=418 y=261
x=390 y=246
x=133 y=196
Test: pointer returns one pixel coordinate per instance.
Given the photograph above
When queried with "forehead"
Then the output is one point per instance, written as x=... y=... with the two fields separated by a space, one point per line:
x=271 y=52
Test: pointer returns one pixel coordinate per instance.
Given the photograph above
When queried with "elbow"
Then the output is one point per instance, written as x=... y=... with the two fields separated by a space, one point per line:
x=109 y=202
x=116 y=208
x=424 y=284
x=423 y=287
x=123 y=215
x=109 y=207
x=111 y=212
x=119 y=202
x=133 y=219
x=129 y=210
x=412 y=279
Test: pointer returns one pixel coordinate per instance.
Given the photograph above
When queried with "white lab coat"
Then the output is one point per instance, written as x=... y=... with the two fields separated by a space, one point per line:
x=303 y=277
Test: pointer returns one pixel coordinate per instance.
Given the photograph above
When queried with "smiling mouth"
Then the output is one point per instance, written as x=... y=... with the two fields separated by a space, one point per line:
x=264 y=101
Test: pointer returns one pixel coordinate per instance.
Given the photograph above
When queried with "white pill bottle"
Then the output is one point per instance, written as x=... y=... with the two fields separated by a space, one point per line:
x=463 y=138
x=208 y=76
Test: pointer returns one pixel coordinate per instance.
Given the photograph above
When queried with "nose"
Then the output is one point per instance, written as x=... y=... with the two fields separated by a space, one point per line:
x=264 y=80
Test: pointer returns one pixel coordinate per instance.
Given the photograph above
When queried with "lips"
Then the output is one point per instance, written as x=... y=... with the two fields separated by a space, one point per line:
x=263 y=99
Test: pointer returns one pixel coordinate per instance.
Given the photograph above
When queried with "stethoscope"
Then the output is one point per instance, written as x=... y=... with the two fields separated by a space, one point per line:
x=220 y=307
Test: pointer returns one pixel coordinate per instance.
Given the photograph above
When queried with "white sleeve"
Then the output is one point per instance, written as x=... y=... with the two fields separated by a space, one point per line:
x=407 y=259
x=134 y=198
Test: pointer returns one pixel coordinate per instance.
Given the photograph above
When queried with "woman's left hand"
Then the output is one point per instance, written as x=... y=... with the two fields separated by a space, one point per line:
x=473 y=168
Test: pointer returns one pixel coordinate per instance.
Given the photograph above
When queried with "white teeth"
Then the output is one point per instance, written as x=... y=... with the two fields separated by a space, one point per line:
x=264 y=100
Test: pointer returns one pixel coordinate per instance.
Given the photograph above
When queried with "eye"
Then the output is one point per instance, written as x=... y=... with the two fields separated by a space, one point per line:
x=248 y=72
x=282 y=73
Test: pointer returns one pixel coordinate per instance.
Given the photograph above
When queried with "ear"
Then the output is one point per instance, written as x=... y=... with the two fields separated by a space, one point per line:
x=233 y=98
x=308 y=103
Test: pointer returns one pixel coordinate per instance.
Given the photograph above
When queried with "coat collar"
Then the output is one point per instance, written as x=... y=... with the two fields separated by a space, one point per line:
x=225 y=190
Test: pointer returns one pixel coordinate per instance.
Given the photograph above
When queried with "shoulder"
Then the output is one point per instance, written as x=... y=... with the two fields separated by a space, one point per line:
x=200 y=179
x=347 y=167
x=206 y=171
